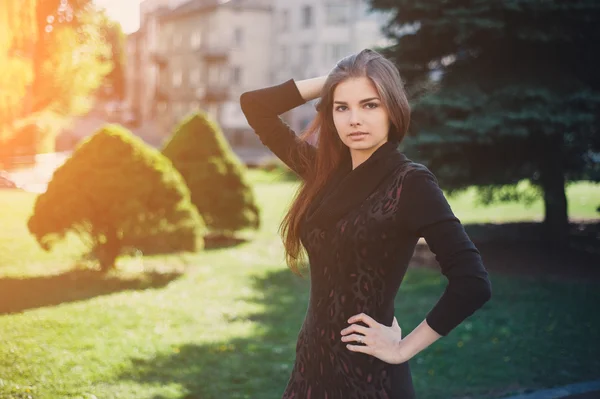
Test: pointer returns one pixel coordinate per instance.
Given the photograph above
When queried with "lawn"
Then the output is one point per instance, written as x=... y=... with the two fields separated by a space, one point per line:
x=223 y=323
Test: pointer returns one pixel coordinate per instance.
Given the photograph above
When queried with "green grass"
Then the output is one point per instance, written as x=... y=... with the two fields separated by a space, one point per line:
x=223 y=323
x=582 y=199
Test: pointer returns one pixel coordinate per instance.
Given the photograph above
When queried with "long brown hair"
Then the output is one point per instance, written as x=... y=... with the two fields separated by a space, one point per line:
x=330 y=149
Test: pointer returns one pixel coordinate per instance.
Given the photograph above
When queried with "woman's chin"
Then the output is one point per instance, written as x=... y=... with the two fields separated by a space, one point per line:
x=360 y=145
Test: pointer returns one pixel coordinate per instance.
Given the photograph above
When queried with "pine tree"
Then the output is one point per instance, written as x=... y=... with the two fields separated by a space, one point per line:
x=214 y=174
x=519 y=96
x=117 y=192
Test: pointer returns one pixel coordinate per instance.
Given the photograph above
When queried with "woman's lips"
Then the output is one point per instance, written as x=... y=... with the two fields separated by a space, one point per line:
x=357 y=135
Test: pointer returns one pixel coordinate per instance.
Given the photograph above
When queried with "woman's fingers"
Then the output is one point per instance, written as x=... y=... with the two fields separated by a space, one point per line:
x=368 y=320
x=355 y=328
x=354 y=337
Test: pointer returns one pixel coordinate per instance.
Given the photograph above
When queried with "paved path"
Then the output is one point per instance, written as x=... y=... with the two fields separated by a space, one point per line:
x=583 y=390
x=35 y=179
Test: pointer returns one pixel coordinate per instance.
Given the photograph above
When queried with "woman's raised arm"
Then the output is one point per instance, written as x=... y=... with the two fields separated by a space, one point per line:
x=310 y=89
x=262 y=108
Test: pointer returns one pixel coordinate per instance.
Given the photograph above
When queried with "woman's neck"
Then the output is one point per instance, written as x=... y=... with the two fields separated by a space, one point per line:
x=360 y=156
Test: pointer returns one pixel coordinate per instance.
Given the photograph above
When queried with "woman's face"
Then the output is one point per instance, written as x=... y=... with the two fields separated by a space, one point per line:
x=359 y=115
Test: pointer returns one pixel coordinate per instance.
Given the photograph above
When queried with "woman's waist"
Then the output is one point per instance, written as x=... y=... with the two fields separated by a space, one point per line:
x=333 y=315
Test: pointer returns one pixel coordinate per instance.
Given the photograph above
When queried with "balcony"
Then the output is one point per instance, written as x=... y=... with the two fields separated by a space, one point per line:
x=160 y=96
x=159 y=60
x=214 y=53
x=213 y=93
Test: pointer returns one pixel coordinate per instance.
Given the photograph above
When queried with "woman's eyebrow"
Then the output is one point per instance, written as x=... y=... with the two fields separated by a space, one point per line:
x=361 y=101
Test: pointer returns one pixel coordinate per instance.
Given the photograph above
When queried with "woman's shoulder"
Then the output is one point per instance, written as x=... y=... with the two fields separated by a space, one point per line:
x=407 y=180
x=420 y=200
x=412 y=171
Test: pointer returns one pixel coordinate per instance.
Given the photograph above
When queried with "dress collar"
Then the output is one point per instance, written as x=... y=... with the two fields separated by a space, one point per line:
x=348 y=187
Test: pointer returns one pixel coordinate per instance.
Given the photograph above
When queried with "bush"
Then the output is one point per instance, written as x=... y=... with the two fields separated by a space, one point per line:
x=118 y=192
x=214 y=174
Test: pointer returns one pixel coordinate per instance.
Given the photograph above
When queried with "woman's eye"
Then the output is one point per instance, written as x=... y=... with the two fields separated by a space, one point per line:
x=368 y=105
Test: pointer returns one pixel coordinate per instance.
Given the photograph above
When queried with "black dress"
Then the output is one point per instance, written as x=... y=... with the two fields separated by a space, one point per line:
x=360 y=233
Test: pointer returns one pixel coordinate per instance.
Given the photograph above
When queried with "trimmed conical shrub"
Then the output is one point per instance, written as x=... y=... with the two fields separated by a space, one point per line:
x=118 y=192
x=213 y=173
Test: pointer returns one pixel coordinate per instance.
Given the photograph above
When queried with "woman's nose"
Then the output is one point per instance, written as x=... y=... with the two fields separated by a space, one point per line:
x=354 y=119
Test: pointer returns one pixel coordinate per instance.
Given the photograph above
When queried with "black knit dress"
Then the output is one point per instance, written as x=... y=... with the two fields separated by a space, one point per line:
x=360 y=233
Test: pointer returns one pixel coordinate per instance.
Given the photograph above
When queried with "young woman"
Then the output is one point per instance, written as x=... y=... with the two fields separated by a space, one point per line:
x=359 y=213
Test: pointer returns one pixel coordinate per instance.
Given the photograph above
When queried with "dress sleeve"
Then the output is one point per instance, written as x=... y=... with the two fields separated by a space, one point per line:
x=427 y=214
x=262 y=108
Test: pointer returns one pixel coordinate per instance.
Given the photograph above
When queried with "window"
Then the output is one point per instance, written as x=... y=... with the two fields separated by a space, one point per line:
x=217 y=75
x=177 y=78
x=165 y=45
x=333 y=52
x=284 y=21
x=224 y=76
x=236 y=75
x=238 y=37
x=178 y=110
x=307 y=16
x=284 y=55
x=195 y=76
x=336 y=13
x=213 y=110
x=306 y=54
x=196 y=39
x=177 y=39
x=339 y=51
x=213 y=75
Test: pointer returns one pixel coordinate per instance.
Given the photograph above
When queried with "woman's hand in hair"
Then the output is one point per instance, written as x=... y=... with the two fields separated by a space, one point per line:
x=311 y=88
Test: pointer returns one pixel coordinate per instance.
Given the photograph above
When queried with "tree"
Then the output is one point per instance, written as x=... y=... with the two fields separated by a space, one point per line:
x=115 y=37
x=114 y=192
x=113 y=86
x=519 y=96
x=53 y=59
x=215 y=176
x=71 y=56
x=17 y=35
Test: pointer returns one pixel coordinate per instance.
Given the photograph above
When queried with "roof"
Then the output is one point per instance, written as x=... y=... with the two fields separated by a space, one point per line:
x=200 y=6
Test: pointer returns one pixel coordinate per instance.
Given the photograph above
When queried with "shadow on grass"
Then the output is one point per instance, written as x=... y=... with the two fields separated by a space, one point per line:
x=17 y=295
x=499 y=338
x=219 y=241
x=254 y=367
x=518 y=249
x=584 y=236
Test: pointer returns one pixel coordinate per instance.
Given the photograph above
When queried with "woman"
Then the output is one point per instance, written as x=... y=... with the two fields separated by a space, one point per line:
x=359 y=213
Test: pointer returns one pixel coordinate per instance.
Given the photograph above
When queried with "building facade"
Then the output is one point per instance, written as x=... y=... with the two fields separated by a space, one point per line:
x=191 y=54
x=311 y=36
x=202 y=54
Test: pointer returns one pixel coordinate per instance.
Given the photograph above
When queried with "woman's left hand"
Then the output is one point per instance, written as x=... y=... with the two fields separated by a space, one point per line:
x=380 y=341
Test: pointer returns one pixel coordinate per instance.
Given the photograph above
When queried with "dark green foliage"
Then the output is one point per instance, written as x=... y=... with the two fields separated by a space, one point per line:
x=214 y=174
x=118 y=192
x=519 y=97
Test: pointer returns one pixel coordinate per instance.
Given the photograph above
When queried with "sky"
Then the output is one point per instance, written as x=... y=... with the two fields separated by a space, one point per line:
x=124 y=11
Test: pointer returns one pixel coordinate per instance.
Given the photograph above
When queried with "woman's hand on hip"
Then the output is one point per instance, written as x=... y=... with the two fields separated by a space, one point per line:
x=379 y=340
